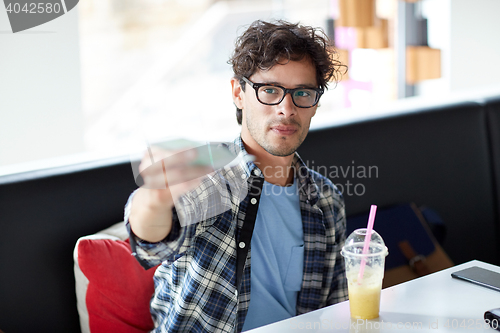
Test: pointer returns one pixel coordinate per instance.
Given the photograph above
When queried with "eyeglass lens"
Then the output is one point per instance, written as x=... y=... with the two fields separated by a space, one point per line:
x=302 y=97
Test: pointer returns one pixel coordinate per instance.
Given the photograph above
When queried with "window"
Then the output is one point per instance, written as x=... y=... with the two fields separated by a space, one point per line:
x=111 y=75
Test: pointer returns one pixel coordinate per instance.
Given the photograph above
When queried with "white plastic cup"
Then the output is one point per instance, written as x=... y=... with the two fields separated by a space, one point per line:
x=364 y=293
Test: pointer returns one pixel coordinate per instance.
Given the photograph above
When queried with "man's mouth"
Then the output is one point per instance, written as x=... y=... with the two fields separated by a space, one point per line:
x=284 y=129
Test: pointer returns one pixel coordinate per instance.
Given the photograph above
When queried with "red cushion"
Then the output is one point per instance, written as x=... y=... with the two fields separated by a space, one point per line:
x=119 y=289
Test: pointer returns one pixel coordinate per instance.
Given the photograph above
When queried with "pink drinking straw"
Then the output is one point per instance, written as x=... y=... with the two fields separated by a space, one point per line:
x=369 y=229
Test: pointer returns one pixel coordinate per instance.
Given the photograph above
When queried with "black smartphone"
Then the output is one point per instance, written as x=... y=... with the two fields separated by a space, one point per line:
x=492 y=317
x=480 y=276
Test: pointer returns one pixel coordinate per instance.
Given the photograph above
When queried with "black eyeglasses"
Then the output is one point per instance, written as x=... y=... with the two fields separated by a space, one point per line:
x=272 y=94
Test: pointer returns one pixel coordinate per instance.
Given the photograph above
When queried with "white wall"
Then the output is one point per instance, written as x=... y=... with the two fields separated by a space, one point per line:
x=474 y=43
x=40 y=96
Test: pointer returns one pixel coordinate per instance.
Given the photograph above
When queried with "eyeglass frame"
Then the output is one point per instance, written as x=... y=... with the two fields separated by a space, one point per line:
x=256 y=87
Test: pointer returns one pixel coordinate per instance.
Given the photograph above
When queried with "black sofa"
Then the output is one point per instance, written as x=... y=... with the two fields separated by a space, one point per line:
x=446 y=157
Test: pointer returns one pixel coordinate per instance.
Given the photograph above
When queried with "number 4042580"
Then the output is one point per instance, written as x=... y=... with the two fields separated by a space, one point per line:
x=34 y=8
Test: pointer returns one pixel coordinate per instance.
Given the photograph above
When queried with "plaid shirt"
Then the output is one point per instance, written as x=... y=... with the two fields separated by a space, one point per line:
x=195 y=285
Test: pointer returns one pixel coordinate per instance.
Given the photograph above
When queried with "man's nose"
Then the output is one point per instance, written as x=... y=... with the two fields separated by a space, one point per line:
x=286 y=107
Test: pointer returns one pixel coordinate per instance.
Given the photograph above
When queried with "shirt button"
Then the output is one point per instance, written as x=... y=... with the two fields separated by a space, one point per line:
x=242 y=245
x=253 y=201
x=256 y=172
x=243 y=176
x=236 y=293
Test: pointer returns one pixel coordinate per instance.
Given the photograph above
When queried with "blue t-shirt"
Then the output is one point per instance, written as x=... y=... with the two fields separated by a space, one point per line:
x=277 y=250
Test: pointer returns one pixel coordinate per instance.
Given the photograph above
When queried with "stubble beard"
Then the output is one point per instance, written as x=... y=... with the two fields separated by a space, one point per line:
x=283 y=149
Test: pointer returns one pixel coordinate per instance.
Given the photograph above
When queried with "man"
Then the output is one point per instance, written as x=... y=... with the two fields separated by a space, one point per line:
x=210 y=279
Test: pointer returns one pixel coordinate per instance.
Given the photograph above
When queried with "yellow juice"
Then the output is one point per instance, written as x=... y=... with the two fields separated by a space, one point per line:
x=364 y=298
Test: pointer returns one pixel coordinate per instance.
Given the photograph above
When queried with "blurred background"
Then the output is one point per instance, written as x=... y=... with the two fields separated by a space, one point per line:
x=112 y=75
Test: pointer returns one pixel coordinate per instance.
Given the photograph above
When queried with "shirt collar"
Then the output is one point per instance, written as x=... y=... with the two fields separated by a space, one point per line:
x=307 y=186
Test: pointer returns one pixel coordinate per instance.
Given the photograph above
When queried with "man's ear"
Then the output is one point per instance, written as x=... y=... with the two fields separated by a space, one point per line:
x=237 y=93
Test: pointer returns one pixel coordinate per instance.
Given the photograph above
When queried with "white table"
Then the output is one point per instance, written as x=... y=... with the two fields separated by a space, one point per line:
x=433 y=303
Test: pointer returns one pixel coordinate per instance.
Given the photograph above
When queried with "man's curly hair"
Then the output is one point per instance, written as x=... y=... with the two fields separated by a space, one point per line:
x=266 y=44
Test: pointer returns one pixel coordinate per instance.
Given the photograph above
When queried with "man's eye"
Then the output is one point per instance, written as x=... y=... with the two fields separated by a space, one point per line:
x=302 y=93
x=270 y=90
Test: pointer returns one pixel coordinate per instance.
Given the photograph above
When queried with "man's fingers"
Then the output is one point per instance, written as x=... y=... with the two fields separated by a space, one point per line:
x=169 y=158
x=182 y=188
x=175 y=158
x=159 y=177
x=180 y=175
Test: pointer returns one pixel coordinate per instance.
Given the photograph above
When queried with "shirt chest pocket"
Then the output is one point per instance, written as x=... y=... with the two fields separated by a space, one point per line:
x=294 y=270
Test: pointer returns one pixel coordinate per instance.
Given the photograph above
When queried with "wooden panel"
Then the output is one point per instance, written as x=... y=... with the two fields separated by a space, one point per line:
x=343 y=57
x=422 y=63
x=356 y=13
x=375 y=37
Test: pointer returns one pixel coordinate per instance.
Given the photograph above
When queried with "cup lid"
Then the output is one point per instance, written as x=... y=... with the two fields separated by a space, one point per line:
x=355 y=242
